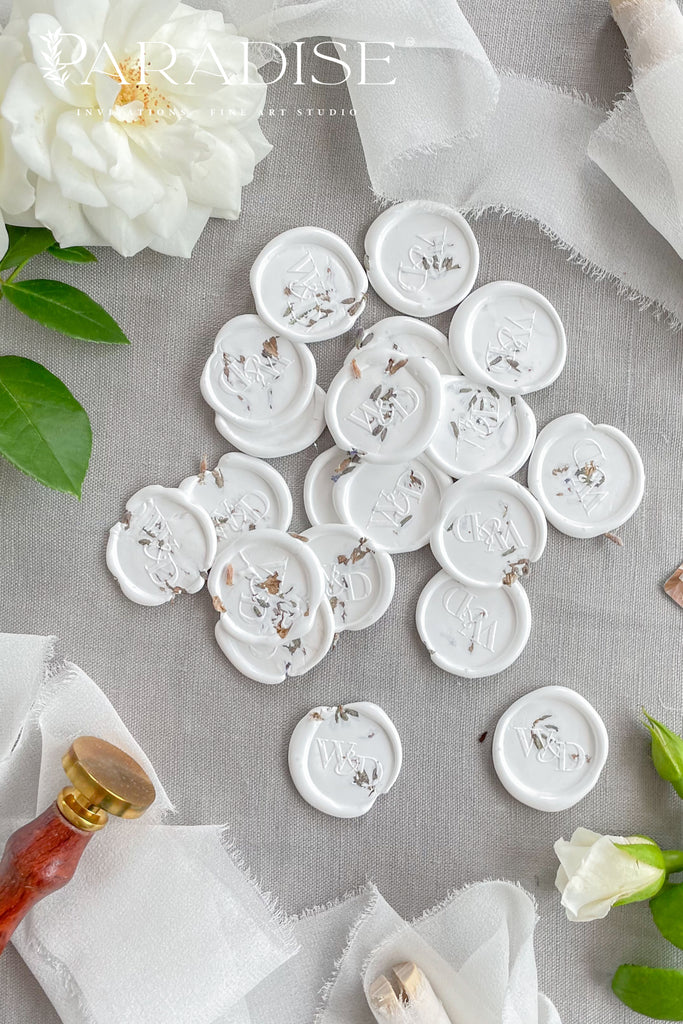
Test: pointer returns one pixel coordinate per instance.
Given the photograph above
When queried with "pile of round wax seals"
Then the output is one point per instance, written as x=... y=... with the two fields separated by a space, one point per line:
x=409 y=411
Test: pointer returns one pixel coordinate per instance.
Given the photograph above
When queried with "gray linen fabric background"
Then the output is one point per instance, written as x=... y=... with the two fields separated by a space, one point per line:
x=601 y=622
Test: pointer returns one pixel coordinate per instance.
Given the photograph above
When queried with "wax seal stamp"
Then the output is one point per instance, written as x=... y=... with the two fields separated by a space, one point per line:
x=162 y=547
x=490 y=530
x=274 y=661
x=549 y=748
x=508 y=335
x=359 y=580
x=323 y=473
x=396 y=505
x=342 y=758
x=308 y=285
x=266 y=585
x=43 y=855
x=242 y=493
x=472 y=631
x=481 y=430
x=384 y=404
x=254 y=376
x=589 y=479
x=422 y=257
x=281 y=436
x=406 y=334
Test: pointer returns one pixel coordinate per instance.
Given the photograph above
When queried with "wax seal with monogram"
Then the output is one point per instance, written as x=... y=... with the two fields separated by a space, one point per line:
x=589 y=479
x=490 y=529
x=384 y=404
x=267 y=585
x=359 y=580
x=509 y=336
x=241 y=493
x=481 y=430
x=472 y=631
x=396 y=505
x=342 y=758
x=275 y=660
x=422 y=257
x=323 y=473
x=255 y=378
x=308 y=285
x=163 y=546
x=409 y=335
x=549 y=748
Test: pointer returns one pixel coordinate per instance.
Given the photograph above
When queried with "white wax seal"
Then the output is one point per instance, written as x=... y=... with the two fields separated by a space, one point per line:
x=589 y=479
x=385 y=405
x=490 y=530
x=549 y=748
x=163 y=546
x=472 y=631
x=508 y=335
x=406 y=334
x=254 y=376
x=396 y=505
x=481 y=430
x=359 y=580
x=242 y=493
x=323 y=473
x=422 y=257
x=308 y=284
x=342 y=758
x=279 y=437
x=266 y=585
x=273 y=661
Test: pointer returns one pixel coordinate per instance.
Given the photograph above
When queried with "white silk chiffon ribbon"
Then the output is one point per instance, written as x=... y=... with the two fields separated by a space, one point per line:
x=452 y=128
x=159 y=924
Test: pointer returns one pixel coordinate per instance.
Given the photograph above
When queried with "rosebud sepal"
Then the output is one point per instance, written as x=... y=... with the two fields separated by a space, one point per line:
x=649 y=853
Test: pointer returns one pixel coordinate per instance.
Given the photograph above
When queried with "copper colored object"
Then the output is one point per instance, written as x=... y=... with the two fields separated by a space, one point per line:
x=42 y=856
x=674 y=586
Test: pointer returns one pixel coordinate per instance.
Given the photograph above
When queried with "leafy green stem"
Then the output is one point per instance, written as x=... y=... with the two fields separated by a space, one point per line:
x=673 y=861
x=17 y=270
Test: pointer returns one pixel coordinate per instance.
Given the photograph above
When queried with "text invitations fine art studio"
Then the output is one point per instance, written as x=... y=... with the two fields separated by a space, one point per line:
x=341 y=511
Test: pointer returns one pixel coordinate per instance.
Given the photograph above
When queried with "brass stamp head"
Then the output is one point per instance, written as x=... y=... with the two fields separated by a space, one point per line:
x=105 y=780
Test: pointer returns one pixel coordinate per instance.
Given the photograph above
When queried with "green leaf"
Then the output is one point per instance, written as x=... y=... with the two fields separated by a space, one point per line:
x=667 y=911
x=65 y=309
x=652 y=991
x=44 y=431
x=72 y=254
x=25 y=243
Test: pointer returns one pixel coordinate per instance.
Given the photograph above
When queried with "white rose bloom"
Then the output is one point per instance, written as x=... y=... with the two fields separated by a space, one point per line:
x=595 y=874
x=16 y=194
x=145 y=163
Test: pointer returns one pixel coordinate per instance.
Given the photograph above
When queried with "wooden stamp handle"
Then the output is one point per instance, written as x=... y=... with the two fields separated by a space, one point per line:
x=39 y=858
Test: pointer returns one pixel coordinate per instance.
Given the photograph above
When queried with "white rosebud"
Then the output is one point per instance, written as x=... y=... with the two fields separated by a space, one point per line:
x=599 y=872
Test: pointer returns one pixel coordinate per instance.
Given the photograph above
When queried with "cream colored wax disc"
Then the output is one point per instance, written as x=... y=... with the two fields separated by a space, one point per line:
x=343 y=758
x=490 y=530
x=266 y=585
x=385 y=405
x=422 y=257
x=589 y=479
x=162 y=546
x=549 y=748
x=308 y=285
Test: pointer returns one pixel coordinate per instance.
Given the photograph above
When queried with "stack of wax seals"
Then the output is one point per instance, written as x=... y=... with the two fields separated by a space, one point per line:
x=409 y=411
